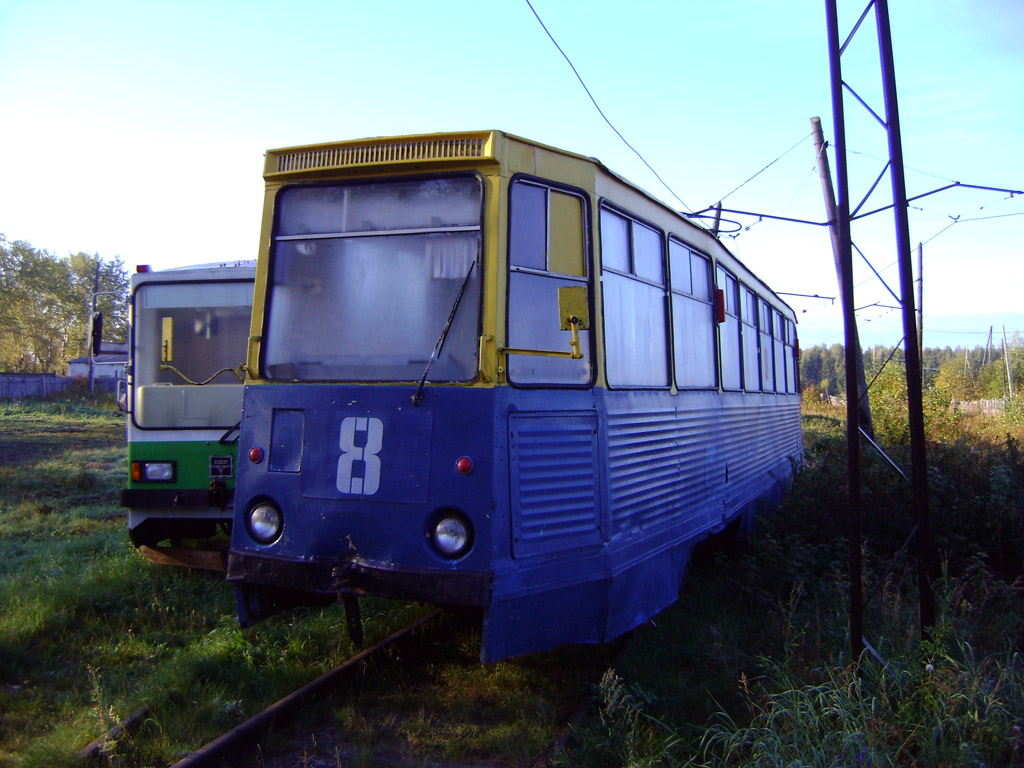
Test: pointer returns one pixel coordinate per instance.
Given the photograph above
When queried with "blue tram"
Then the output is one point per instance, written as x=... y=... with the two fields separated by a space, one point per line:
x=490 y=373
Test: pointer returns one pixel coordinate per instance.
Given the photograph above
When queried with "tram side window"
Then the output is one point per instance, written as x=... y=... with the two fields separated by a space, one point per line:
x=780 y=354
x=635 y=317
x=767 y=355
x=692 y=317
x=547 y=249
x=729 y=333
x=748 y=325
x=790 y=343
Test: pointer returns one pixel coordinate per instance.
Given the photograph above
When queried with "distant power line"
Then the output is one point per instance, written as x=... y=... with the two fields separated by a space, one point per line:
x=601 y=111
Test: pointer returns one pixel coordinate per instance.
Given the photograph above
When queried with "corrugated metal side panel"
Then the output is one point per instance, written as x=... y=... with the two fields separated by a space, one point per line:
x=658 y=467
x=673 y=465
x=754 y=443
x=554 y=488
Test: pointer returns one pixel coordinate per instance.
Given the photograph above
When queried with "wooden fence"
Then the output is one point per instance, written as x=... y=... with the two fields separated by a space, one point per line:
x=16 y=386
x=979 y=406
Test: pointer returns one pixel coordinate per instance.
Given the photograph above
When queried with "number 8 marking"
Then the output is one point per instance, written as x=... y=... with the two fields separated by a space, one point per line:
x=368 y=484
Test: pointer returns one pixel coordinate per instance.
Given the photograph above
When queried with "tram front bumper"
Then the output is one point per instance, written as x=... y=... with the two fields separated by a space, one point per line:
x=357 y=576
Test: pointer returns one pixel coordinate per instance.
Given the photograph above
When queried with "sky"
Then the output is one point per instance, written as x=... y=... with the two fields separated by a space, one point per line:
x=137 y=130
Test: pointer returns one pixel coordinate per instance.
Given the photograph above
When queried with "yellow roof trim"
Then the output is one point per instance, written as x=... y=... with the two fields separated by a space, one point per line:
x=381 y=153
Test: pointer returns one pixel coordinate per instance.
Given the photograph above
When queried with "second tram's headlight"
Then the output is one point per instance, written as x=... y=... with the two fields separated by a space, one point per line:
x=265 y=522
x=452 y=535
x=153 y=471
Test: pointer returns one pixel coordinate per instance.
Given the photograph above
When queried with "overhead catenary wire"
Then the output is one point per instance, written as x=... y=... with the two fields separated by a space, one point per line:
x=601 y=111
x=739 y=228
x=907 y=167
x=742 y=229
x=773 y=162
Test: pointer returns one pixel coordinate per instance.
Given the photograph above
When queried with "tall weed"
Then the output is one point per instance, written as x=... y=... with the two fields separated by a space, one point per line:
x=773 y=617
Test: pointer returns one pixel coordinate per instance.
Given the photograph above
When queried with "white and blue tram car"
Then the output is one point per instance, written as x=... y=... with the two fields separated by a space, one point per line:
x=486 y=372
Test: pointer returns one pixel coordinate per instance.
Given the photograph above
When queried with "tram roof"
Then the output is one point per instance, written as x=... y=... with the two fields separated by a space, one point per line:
x=450 y=149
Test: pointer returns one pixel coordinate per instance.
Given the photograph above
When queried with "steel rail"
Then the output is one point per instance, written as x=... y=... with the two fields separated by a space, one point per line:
x=244 y=735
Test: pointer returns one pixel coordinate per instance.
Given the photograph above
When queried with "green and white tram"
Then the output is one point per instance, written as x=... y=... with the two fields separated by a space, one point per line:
x=187 y=347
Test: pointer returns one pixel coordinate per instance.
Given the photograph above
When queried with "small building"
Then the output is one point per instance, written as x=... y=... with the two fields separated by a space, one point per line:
x=109 y=364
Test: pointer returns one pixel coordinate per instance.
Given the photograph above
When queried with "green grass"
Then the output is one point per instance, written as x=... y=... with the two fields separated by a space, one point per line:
x=750 y=668
x=90 y=631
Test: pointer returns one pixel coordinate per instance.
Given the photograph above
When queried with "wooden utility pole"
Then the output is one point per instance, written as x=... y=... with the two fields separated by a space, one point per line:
x=863 y=405
x=920 y=299
x=1006 y=362
x=92 y=319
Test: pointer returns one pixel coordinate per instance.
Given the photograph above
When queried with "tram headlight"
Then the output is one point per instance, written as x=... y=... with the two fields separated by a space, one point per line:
x=265 y=522
x=452 y=535
x=153 y=471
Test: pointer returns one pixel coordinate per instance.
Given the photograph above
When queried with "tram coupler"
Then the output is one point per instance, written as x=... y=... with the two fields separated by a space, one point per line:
x=349 y=598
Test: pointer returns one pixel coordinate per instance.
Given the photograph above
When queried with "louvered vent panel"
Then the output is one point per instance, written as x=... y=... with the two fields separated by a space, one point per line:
x=554 y=482
x=382 y=153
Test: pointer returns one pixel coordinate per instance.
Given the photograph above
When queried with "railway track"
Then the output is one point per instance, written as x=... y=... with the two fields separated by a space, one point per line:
x=327 y=745
x=245 y=737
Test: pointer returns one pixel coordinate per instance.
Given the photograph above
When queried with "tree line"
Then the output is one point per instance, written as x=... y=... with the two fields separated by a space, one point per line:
x=46 y=304
x=981 y=373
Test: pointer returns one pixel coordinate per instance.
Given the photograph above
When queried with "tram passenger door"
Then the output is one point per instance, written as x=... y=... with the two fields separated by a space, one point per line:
x=554 y=480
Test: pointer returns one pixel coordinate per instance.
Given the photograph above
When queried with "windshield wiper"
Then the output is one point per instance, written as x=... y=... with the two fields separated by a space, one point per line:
x=444 y=335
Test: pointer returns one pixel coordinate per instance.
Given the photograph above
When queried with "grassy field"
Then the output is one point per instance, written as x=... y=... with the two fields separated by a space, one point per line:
x=90 y=632
x=750 y=668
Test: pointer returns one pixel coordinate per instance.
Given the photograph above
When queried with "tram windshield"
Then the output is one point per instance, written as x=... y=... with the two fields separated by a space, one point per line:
x=184 y=333
x=364 y=279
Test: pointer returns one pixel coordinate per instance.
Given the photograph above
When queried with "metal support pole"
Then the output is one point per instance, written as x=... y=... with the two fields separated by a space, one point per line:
x=925 y=555
x=845 y=257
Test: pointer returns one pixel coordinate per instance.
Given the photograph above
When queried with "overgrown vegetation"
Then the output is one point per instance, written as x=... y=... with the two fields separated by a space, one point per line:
x=752 y=666
x=987 y=372
x=90 y=631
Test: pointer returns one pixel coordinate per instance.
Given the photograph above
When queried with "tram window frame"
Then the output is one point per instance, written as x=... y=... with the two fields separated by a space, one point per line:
x=749 y=346
x=690 y=307
x=530 y=278
x=474 y=289
x=144 y=351
x=766 y=345
x=620 y=291
x=792 y=370
x=729 y=332
x=780 y=351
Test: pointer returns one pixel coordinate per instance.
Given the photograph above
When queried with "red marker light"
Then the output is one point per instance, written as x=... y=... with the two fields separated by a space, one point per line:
x=464 y=465
x=256 y=454
x=142 y=268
